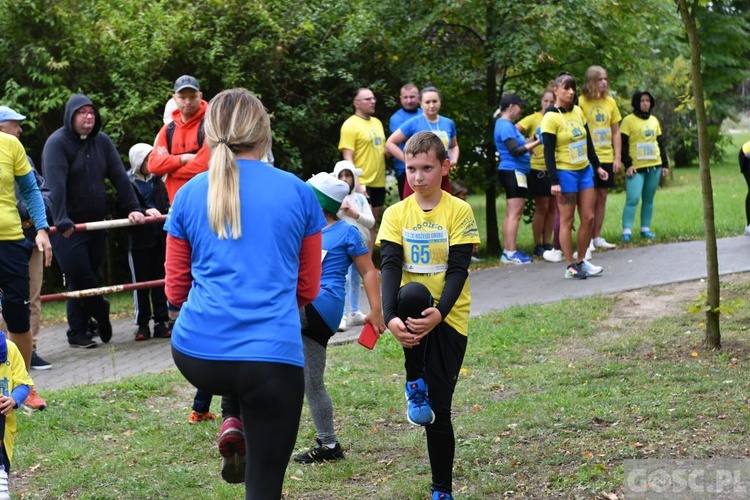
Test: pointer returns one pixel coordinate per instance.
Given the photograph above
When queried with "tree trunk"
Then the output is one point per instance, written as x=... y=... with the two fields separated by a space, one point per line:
x=493 y=236
x=713 y=333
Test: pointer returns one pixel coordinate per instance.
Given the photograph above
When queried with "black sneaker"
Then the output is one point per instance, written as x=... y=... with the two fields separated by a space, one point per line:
x=320 y=454
x=162 y=331
x=82 y=341
x=143 y=332
x=37 y=363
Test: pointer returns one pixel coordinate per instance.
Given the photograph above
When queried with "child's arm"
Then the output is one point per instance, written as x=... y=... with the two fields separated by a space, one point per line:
x=372 y=289
x=16 y=399
x=365 y=215
x=459 y=259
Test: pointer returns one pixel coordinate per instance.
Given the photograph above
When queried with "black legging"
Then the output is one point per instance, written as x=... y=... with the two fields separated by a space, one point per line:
x=746 y=173
x=270 y=396
x=437 y=359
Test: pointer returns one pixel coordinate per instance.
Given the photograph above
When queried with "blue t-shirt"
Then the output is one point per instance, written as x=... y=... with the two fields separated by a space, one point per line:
x=242 y=305
x=341 y=242
x=444 y=128
x=397 y=119
x=504 y=129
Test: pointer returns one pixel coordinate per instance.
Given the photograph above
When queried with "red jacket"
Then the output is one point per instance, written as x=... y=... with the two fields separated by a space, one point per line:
x=184 y=140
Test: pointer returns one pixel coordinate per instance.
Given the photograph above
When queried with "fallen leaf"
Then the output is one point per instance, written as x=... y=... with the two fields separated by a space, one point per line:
x=694 y=354
x=610 y=496
x=587 y=454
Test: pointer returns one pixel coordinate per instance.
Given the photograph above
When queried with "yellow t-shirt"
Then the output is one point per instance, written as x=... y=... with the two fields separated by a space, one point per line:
x=746 y=148
x=13 y=162
x=529 y=124
x=12 y=374
x=367 y=139
x=601 y=114
x=571 y=152
x=425 y=238
x=642 y=145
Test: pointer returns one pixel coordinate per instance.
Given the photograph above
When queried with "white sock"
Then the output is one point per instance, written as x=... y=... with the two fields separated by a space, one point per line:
x=644 y=229
x=626 y=230
x=330 y=446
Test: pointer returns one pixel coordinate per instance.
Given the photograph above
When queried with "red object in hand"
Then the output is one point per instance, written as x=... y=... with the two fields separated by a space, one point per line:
x=368 y=337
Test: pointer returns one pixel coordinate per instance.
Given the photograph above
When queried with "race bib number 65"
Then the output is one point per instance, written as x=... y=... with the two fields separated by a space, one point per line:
x=425 y=252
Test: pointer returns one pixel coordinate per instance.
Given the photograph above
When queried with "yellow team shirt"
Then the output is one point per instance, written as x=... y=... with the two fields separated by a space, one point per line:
x=425 y=238
x=601 y=114
x=12 y=374
x=529 y=124
x=367 y=139
x=570 y=150
x=13 y=163
x=642 y=145
x=746 y=148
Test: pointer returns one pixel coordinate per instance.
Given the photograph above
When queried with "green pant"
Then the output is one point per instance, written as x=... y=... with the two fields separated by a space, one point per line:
x=642 y=186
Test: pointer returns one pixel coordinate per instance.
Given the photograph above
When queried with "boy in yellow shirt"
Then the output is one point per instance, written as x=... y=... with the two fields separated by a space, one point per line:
x=426 y=244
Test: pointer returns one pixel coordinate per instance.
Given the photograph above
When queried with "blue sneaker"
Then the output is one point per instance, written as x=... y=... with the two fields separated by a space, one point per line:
x=418 y=409
x=441 y=495
x=648 y=235
x=514 y=258
x=626 y=238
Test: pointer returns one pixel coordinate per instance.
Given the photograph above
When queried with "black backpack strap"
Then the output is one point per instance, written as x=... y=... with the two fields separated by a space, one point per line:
x=170 y=133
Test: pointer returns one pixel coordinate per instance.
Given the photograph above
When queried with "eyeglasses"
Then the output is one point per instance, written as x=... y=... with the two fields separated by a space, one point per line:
x=83 y=112
x=373 y=99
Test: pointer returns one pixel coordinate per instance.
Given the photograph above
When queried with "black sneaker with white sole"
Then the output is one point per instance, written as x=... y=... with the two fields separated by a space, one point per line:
x=37 y=363
x=81 y=341
x=320 y=453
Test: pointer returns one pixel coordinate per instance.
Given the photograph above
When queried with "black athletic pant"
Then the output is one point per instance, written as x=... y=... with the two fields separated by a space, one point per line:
x=747 y=198
x=437 y=359
x=270 y=396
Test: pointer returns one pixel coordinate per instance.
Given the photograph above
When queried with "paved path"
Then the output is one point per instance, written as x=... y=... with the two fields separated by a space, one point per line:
x=491 y=289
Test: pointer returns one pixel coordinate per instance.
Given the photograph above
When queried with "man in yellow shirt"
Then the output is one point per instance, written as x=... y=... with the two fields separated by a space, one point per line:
x=363 y=143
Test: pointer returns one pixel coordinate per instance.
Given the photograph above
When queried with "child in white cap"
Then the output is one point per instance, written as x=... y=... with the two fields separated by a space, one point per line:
x=355 y=210
x=342 y=245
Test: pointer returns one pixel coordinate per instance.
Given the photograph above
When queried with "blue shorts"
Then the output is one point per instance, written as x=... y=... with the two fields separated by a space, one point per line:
x=575 y=181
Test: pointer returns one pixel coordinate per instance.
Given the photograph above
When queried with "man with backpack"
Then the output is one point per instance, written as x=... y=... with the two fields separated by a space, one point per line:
x=180 y=152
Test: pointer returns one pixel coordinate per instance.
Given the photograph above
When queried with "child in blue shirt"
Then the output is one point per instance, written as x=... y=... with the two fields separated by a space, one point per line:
x=342 y=245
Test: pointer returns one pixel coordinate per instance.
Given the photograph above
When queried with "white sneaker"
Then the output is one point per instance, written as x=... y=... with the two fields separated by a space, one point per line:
x=342 y=325
x=588 y=254
x=602 y=243
x=553 y=255
x=591 y=246
x=4 y=491
x=591 y=269
x=355 y=318
x=747 y=230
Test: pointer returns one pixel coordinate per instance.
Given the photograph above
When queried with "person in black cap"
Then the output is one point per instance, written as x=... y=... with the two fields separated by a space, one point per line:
x=515 y=165
x=180 y=152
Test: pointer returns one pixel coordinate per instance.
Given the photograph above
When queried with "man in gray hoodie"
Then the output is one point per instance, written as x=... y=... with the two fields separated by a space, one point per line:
x=76 y=160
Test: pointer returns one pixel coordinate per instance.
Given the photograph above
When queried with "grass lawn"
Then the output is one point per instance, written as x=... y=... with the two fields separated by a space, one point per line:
x=549 y=404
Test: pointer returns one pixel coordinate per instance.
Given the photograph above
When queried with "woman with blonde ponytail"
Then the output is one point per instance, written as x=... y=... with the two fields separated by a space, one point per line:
x=239 y=266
